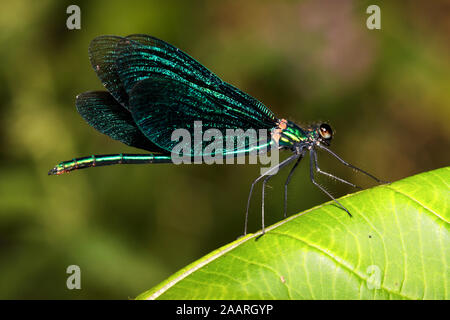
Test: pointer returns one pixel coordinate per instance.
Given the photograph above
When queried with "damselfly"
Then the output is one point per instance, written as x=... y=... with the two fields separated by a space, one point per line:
x=154 y=88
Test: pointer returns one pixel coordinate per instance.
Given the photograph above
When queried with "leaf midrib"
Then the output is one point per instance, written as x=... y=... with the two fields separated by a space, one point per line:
x=340 y=263
x=321 y=250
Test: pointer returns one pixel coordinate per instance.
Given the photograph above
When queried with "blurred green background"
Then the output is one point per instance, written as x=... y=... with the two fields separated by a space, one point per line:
x=386 y=92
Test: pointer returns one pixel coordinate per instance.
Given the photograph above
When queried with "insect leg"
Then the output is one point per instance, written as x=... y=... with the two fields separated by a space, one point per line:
x=311 y=171
x=269 y=172
x=350 y=165
x=267 y=178
x=287 y=182
x=329 y=174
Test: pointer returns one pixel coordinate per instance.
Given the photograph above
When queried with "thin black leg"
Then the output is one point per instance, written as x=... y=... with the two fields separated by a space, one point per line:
x=267 y=173
x=350 y=165
x=287 y=182
x=311 y=172
x=329 y=174
x=262 y=206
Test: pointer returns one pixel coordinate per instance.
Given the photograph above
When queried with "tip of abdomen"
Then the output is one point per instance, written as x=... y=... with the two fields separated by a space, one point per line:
x=57 y=170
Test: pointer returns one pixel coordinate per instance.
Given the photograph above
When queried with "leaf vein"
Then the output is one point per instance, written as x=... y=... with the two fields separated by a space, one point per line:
x=338 y=262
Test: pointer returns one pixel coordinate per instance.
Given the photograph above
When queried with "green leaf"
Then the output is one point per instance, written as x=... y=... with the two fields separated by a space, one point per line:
x=396 y=246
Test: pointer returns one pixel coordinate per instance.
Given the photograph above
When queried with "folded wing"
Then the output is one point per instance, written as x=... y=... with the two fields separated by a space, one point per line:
x=105 y=114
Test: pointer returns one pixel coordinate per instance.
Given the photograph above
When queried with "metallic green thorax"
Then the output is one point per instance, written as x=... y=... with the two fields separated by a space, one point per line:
x=289 y=134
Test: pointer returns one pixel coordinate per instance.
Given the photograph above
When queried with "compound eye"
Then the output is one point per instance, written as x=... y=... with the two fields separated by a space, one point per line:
x=325 y=131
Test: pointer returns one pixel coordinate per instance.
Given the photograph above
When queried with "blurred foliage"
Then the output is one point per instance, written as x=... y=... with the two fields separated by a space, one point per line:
x=386 y=93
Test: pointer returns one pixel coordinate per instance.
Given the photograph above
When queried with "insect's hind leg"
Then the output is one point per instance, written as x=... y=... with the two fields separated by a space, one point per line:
x=248 y=202
x=269 y=173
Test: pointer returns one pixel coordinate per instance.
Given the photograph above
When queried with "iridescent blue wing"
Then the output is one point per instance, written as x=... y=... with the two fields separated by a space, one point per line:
x=141 y=57
x=123 y=62
x=105 y=114
x=160 y=105
x=103 y=56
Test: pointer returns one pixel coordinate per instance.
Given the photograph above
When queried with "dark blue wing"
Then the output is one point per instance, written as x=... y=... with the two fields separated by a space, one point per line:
x=192 y=91
x=106 y=115
x=160 y=105
x=141 y=57
x=103 y=56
